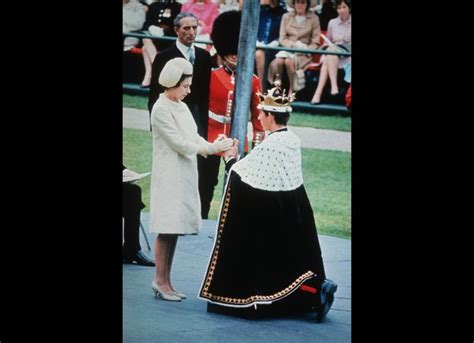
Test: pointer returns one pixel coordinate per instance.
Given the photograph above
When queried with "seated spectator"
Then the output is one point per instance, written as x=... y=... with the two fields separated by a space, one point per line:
x=339 y=33
x=298 y=29
x=268 y=34
x=206 y=11
x=131 y=208
x=159 y=22
x=133 y=18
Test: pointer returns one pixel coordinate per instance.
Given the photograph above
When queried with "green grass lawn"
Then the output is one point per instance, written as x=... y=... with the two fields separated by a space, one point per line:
x=332 y=122
x=328 y=122
x=327 y=178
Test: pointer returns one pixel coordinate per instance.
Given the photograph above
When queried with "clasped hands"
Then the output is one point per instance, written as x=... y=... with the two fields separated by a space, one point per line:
x=230 y=146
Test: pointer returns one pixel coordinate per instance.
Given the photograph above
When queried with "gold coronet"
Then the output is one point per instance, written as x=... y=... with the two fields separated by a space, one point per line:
x=275 y=100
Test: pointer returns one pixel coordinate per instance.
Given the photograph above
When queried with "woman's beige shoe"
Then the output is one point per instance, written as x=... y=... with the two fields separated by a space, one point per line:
x=170 y=296
x=179 y=294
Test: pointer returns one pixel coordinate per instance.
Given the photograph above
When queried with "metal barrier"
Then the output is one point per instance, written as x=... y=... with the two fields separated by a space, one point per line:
x=305 y=51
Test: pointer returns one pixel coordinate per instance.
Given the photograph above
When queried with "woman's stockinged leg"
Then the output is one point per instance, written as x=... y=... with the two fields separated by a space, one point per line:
x=323 y=77
x=291 y=71
x=276 y=67
x=162 y=252
x=147 y=77
x=333 y=64
x=260 y=65
x=149 y=52
x=173 y=243
x=164 y=249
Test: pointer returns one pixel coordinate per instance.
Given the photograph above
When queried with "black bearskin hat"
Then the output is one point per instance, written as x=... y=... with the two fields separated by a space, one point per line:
x=225 y=33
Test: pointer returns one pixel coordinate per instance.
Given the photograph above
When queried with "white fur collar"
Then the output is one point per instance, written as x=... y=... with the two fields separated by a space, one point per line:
x=273 y=165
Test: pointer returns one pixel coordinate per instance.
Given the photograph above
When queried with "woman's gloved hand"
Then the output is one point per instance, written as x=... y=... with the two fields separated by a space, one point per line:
x=222 y=143
x=300 y=45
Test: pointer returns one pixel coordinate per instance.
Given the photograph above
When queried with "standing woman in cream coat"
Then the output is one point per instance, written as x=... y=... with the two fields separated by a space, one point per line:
x=175 y=207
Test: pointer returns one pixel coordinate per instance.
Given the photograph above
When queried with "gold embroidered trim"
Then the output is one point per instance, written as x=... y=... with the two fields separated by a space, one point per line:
x=215 y=254
x=249 y=300
x=245 y=301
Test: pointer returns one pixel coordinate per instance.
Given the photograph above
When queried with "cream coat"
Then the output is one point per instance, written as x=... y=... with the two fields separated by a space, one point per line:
x=175 y=207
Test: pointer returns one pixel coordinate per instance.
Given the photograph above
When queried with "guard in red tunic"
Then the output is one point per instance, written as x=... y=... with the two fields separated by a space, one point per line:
x=225 y=36
x=220 y=104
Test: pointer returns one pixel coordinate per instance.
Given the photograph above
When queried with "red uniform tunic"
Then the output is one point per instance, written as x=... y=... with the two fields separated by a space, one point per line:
x=220 y=106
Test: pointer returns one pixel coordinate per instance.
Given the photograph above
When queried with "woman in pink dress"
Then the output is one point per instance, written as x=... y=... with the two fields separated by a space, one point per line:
x=339 y=33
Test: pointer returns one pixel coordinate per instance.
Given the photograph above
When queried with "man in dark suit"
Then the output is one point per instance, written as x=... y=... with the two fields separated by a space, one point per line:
x=198 y=101
x=185 y=26
x=131 y=207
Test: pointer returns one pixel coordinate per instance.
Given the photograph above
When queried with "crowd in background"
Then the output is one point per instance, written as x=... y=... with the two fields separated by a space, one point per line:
x=304 y=24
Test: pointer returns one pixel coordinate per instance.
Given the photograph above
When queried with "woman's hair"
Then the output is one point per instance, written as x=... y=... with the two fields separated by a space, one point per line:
x=181 y=79
x=308 y=4
x=281 y=118
x=347 y=2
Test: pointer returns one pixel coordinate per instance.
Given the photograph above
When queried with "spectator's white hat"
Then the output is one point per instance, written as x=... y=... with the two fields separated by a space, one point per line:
x=173 y=70
x=291 y=3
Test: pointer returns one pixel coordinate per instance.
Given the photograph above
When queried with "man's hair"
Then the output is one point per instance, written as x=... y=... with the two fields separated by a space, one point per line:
x=281 y=118
x=181 y=16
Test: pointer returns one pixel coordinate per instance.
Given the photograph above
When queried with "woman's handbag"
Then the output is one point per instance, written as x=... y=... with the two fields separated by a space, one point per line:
x=299 y=81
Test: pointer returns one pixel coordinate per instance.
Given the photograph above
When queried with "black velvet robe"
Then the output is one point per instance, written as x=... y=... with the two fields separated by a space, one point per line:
x=266 y=247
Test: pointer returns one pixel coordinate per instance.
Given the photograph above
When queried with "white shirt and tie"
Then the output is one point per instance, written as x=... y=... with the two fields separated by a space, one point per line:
x=187 y=51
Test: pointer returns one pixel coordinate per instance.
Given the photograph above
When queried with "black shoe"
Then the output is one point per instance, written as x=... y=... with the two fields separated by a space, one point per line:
x=328 y=289
x=139 y=259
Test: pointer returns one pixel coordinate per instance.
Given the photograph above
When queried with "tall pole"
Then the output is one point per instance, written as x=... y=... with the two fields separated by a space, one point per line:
x=244 y=72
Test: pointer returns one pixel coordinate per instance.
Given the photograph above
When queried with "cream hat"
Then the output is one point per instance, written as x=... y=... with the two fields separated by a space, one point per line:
x=173 y=70
x=291 y=3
